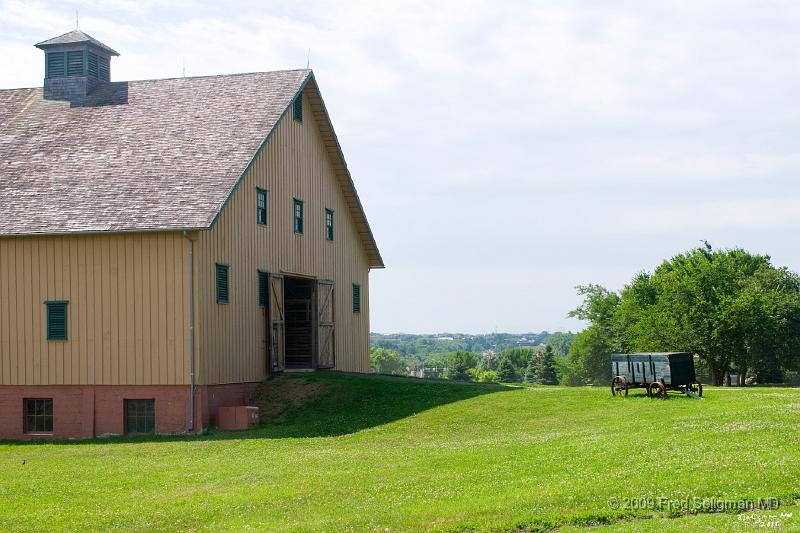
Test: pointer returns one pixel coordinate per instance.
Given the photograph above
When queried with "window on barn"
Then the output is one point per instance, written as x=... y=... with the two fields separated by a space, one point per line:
x=329 y=224
x=38 y=415
x=223 y=295
x=298 y=108
x=262 y=288
x=261 y=206
x=140 y=416
x=56 y=320
x=298 y=216
x=356 y=298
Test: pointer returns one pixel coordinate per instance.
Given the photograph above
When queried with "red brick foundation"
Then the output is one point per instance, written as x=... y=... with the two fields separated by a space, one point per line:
x=86 y=411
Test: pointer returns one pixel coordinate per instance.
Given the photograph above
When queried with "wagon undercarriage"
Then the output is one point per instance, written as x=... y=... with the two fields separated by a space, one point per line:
x=654 y=389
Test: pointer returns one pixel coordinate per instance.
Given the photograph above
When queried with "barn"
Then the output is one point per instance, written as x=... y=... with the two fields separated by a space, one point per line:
x=167 y=244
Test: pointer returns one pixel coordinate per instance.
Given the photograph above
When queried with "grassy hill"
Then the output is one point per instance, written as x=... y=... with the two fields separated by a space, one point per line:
x=342 y=452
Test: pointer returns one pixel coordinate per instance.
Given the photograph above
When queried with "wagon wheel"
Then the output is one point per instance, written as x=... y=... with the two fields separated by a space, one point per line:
x=658 y=390
x=619 y=386
x=700 y=389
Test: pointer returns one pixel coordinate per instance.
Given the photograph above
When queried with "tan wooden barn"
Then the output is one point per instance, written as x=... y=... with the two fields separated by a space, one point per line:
x=165 y=244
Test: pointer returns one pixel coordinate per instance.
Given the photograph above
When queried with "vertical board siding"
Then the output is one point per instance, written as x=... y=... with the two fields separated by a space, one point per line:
x=127 y=320
x=293 y=164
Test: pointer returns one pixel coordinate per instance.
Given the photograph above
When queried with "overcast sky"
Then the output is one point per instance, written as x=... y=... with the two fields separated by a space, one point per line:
x=506 y=151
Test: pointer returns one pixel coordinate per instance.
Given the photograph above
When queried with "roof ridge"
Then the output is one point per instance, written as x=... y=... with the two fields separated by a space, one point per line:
x=145 y=80
x=205 y=76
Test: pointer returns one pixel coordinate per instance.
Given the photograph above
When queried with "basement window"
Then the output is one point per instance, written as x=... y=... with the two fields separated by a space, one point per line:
x=329 y=224
x=140 y=416
x=56 y=320
x=356 y=298
x=261 y=206
x=298 y=108
x=38 y=415
x=223 y=293
x=298 y=216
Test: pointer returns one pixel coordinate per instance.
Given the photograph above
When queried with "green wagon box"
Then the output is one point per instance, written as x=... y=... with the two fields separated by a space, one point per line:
x=656 y=372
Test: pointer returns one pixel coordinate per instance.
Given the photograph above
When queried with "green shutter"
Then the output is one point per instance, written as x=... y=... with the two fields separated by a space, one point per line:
x=55 y=66
x=356 y=298
x=75 y=63
x=329 y=224
x=262 y=288
x=298 y=108
x=223 y=295
x=102 y=68
x=261 y=206
x=298 y=216
x=92 y=67
x=56 y=321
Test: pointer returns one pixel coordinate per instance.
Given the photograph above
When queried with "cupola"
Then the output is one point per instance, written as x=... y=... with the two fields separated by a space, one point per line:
x=75 y=65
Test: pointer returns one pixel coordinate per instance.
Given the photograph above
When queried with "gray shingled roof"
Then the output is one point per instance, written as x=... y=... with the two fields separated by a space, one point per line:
x=155 y=155
x=75 y=36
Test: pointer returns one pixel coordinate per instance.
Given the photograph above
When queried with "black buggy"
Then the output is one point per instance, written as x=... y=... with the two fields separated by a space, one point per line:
x=657 y=373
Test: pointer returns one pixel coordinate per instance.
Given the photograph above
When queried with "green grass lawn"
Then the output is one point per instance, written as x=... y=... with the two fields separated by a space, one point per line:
x=401 y=454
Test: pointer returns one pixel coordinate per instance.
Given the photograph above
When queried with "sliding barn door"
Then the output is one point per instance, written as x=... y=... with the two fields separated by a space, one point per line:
x=277 y=324
x=326 y=357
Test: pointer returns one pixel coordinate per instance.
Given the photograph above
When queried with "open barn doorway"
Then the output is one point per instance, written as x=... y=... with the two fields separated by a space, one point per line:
x=299 y=308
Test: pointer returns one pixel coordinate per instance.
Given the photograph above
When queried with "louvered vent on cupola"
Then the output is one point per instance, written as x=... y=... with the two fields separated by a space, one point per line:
x=75 y=65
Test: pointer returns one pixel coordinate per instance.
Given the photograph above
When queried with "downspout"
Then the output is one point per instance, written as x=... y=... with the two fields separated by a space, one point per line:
x=191 y=333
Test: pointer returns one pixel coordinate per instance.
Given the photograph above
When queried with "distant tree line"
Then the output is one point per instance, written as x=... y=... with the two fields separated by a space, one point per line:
x=538 y=365
x=431 y=350
x=734 y=309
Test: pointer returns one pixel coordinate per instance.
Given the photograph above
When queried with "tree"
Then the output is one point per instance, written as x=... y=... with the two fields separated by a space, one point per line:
x=589 y=358
x=732 y=308
x=560 y=342
x=459 y=364
x=532 y=371
x=519 y=357
x=547 y=368
x=387 y=362
x=506 y=371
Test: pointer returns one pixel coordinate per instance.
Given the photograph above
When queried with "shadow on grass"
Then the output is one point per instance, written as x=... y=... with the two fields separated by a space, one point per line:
x=344 y=404
x=339 y=404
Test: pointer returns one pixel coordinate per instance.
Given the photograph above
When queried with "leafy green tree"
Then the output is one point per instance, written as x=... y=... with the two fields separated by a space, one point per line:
x=732 y=308
x=484 y=376
x=519 y=357
x=385 y=361
x=547 y=368
x=560 y=342
x=589 y=358
x=506 y=371
x=459 y=364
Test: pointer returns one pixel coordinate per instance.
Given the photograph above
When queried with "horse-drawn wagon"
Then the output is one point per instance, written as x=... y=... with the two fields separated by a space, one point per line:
x=657 y=373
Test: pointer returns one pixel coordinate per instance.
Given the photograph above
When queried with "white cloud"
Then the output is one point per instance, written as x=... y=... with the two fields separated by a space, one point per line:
x=514 y=139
